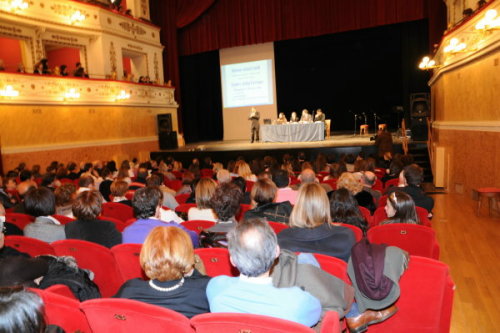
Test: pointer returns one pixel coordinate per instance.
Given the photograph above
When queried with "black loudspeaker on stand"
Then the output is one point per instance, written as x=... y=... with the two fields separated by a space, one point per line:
x=420 y=110
x=166 y=137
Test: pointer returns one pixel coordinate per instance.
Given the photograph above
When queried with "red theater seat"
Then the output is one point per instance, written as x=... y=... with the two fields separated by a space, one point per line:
x=243 y=209
x=63 y=219
x=197 y=225
x=117 y=210
x=20 y=220
x=366 y=214
x=216 y=261
x=334 y=266
x=119 y=224
x=63 y=312
x=32 y=246
x=125 y=315
x=278 y=227
x=96 y=258
x=182 y=198
x=127 y=260
x=426 y=299
x=380 y=215
x=358 y=233
x=63 y=290
x=416 y=239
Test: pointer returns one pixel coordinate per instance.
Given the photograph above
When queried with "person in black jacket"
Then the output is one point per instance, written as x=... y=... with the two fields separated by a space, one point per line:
x=263 y=195
x=86 y=208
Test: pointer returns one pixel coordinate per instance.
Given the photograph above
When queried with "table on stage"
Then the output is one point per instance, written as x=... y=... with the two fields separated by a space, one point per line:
x=293 y=132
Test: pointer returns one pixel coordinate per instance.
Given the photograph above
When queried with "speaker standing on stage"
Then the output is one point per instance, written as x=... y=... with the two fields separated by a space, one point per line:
x=254 y=129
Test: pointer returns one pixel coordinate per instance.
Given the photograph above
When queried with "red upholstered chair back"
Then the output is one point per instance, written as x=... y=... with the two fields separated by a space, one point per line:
x=207 y=173
x=119 y=224
x=63 y=290
x=391 y=183
x=20 y=220
x=32 y=246
x=182 y=198
x=366 y=214
x=331 y=182
x=63 y=312
x=378 y=186
x=415 y=239
x=358 y=233
x=124 y=315
x=243 y=209
x=426 y=299
x=173 y=184
x=96 y=258
x=198 y=225
x=216 y=261
x=127 y=260
x=334 y=266
x=278 y=227
x=380 y=215
x=242 y=322
x=129 y=194
x=382 y=201
x=67 y=181
x=249 y=186
x=184 y=208
x=63 y=219
x=117 y=210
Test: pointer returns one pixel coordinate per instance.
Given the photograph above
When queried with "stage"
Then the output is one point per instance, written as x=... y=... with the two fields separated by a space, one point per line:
x=223 y=151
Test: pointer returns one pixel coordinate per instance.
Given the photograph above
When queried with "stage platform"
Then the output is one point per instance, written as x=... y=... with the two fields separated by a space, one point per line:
x=223 y=151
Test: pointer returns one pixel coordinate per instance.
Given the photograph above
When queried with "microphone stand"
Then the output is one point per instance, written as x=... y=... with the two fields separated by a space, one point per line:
x=355 y=124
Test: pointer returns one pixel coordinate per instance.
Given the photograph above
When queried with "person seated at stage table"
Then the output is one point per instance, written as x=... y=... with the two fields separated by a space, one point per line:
x=204 y=190
x=294 y=118
x=281 y=119
x=311 y=230
x=305 y=117
x=320 y=116
x=263 y=200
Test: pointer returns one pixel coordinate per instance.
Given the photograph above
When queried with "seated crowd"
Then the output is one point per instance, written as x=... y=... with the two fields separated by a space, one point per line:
x=319 y=205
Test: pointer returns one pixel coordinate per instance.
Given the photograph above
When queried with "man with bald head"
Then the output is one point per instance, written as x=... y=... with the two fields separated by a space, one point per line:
x=368 y=179
x=253 y=248
x=308 y=176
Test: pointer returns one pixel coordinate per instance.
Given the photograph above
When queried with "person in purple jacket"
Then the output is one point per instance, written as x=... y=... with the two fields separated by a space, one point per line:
x=147 y=204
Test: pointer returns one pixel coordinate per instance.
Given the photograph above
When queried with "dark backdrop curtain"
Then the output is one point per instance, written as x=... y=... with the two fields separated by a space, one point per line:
x=201 y=97
x=349 y=73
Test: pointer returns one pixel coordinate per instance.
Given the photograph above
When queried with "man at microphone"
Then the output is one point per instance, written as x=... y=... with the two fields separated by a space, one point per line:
x=255 y=127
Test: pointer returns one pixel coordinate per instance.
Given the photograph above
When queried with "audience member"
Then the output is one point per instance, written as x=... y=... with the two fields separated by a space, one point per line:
x=242 y=184
x=85 y=183
x=223 y=176
x=344 y=209
x=253 y=249
x=204 y=191
x=168 y=194
x=187 y=183
x=65 y=195
x=86 y=208
x=27 y=181
x=285 y=193
x=336 y=169
x=167 y=258
x=400 y=208
x=147 y=208
x=243 y=170
x=368 y=179
x=311 y=229
x=263 y=195
x=118 y=189
x=41 y=203
x=22 y=311
x=350 y=182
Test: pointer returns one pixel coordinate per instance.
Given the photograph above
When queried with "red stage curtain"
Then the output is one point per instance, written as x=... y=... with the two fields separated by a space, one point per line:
x=188 y=11
x=230 y=23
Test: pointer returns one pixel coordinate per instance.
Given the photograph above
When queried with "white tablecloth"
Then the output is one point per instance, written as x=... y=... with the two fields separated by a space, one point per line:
x=293 y=132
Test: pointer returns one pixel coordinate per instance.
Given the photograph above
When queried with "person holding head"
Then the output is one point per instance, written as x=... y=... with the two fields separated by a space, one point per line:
x=263 y=195
x=204 y=191
x=86 y=207
x=305 y=117
x=41 y=203
x=255 y=127
x=167 y=258
x=344 y=209
x=65 y=195
x=147 y=208
x=353 y=183
x=311 y=229
x=400 y=208
x=320 y=116
x=253 y=249
x=413 y=175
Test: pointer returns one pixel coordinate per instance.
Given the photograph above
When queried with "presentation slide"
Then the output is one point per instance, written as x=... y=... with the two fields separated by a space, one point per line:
x=247 y=84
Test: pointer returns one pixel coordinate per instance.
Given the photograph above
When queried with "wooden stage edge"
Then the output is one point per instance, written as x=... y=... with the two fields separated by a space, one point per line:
x=335 y=140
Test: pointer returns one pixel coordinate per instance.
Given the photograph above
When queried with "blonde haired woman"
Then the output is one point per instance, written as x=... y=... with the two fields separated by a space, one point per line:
x=167 y=258
x=350 y=182
x=311 y=230
x=204 y=191
x=243 y=170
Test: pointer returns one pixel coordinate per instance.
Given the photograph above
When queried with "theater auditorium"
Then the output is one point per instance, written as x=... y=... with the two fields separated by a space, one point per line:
x=249 y=165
